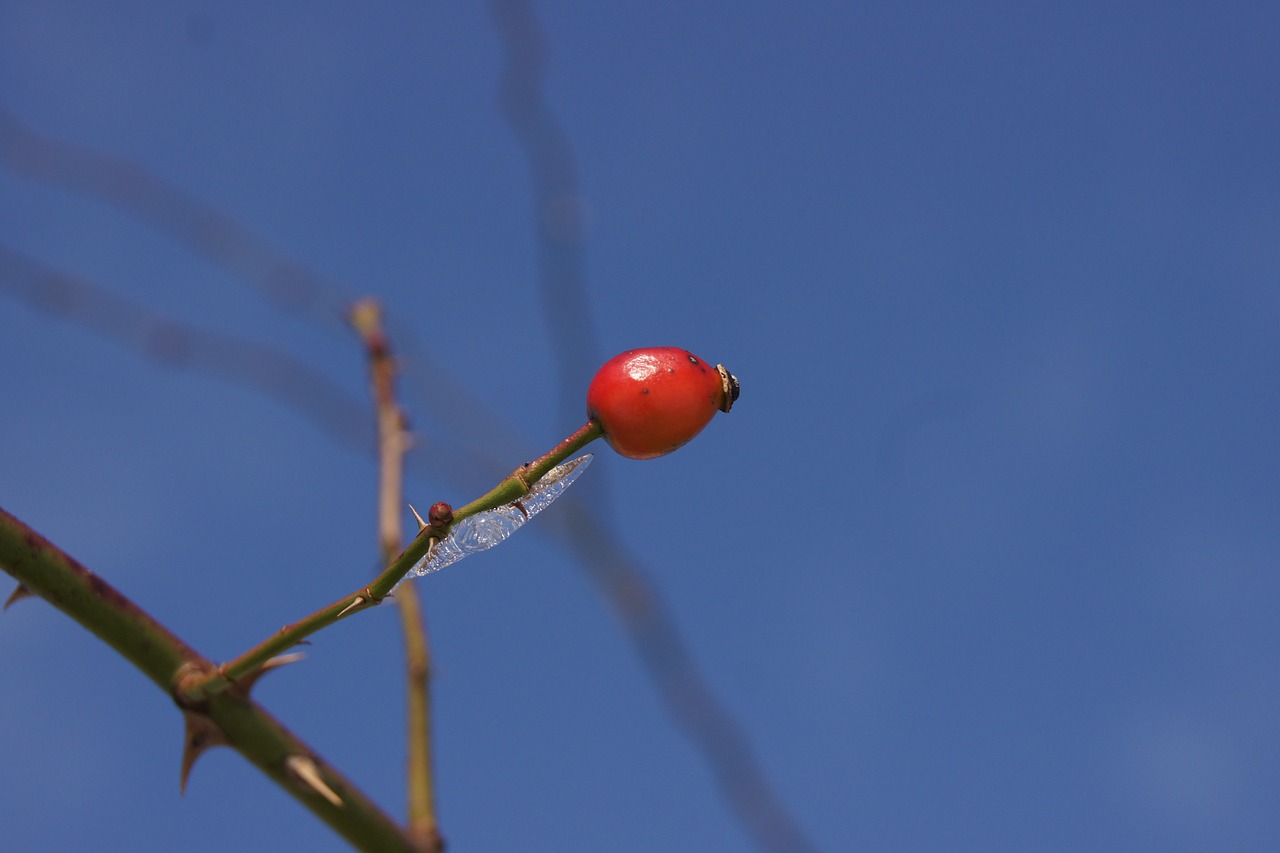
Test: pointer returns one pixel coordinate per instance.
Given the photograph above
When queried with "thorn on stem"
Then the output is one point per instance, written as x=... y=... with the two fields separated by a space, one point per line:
x=247 y=682
x=201 y=734
x=308 y=773
x=358 y=601
x=20 y=592
x=283 y=660
x=422 y=525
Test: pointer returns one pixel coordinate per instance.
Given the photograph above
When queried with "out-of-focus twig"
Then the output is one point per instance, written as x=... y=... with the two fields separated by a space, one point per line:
x=393 y=443
x=169 y=342
x=559 y=215
x=693 y=706
x=285 y=282
x=560 y=211
x=181 y=346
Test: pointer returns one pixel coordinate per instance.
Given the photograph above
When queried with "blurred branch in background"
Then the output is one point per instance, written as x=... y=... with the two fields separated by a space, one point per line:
x=182 y=346
x=477 y=438
x=178 y=345
x=559 y=207
x=560 y=211
x=286 y=283
x=394 y=441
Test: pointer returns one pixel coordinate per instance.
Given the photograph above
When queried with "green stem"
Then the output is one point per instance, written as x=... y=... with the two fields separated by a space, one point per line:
x=515 y=485
x=50 y=573
x=54 y=576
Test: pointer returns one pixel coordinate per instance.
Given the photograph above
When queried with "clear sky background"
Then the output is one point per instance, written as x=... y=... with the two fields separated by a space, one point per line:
x=984 y=558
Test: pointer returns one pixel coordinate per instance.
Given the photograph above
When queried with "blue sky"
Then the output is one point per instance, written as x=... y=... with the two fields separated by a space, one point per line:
x=984 y=557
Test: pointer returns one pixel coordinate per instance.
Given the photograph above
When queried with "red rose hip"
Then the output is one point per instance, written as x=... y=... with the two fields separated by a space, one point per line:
x=651 y=401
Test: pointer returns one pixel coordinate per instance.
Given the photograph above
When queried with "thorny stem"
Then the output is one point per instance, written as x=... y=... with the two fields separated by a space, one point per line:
x=47 y=571
x=54 y=576
x=393 y=442
x=518 y=483
x=513 y=486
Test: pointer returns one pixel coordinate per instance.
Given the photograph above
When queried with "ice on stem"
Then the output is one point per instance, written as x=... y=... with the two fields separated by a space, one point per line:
x=483 y=530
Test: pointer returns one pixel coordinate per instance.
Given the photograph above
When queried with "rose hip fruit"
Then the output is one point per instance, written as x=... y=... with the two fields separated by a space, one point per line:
x=651 y=401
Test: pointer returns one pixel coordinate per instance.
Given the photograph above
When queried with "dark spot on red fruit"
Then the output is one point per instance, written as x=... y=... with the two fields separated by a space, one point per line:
x=644 y=390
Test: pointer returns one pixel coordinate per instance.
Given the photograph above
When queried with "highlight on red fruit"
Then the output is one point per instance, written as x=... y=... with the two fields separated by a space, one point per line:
x=651 y=401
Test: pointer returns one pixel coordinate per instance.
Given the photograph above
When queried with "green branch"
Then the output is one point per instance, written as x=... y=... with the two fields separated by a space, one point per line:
x=48 y=572
x=199 y=686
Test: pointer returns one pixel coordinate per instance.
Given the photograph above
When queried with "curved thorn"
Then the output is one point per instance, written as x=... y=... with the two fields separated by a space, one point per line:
x=20 y=592
x=201 y=734
x=283 y=660
x=249 y=681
